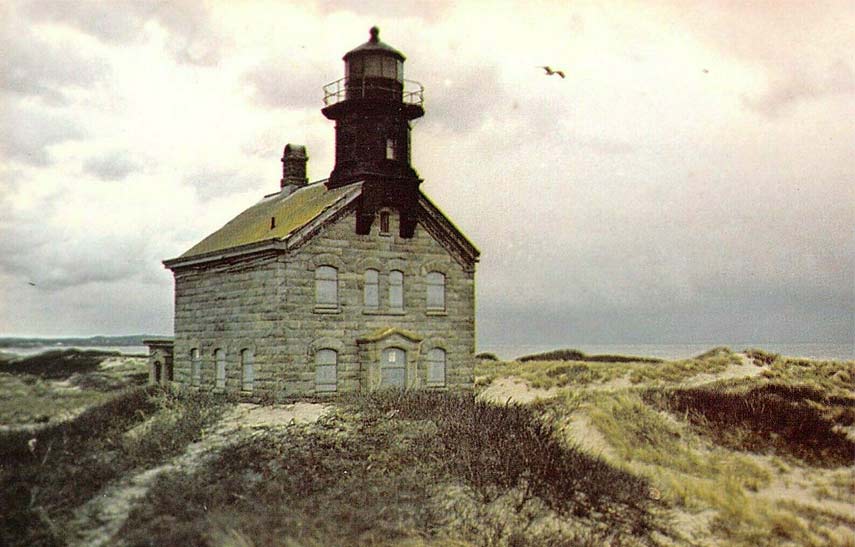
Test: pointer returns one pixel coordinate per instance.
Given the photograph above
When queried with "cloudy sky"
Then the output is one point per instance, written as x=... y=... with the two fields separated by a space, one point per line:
x=690 y=180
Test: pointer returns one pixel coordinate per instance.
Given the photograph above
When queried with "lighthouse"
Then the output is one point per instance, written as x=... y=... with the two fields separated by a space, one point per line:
x=372 y=106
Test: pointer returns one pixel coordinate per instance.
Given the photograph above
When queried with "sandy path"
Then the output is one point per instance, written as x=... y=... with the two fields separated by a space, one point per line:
x=514 y=390
x=102 y=517
x=746 y=369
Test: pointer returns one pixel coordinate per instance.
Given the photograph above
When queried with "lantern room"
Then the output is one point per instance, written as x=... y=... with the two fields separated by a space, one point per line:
x=374 y=59
x=373 y=106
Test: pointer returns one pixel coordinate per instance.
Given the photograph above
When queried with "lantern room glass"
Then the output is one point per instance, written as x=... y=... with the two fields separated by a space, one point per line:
x=375 y=66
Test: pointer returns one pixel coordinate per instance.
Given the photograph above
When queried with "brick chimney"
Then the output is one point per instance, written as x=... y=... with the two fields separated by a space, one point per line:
x=294 y=167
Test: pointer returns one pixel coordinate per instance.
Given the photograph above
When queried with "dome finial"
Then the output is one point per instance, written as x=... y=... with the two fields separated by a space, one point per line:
x=375 y=34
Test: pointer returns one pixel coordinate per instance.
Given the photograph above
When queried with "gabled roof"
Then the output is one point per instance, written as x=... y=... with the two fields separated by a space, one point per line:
x=298 y=216
x=292 y=211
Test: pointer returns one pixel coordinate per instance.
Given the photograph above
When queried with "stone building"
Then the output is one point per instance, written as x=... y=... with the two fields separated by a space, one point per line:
x=355 y=282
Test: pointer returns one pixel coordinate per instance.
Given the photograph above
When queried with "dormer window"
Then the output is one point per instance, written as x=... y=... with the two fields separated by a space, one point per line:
x=384 y=223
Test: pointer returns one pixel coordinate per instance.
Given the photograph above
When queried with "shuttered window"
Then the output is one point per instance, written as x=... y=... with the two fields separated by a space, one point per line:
x=396 y=290
x=435 y=291
x=247 y=363
x=371 y=291
x=220 y=363
x=326 y=286
x=195 y=366
x=326 y=370
x=436 y=367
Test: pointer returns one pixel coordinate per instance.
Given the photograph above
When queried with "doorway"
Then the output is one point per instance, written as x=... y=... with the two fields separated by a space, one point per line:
x=393 y=368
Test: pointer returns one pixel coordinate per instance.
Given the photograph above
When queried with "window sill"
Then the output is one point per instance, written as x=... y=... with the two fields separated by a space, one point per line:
x=436 y=312
x=327 y=309
x=383 y=312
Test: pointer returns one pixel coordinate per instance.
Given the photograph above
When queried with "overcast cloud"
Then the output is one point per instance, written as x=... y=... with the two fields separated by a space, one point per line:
x=690 y=180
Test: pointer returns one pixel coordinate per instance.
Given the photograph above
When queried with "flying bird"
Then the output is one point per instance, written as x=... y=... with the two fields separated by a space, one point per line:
x=30 y=283
x=550 y=71
x=706 y=71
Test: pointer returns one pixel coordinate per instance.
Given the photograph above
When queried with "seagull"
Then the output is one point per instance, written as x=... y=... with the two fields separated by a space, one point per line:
x=549 y=71
x=30 y=283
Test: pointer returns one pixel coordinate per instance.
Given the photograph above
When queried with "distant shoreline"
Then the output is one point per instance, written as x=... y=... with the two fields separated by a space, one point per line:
x=132 y=345
x=74 y=342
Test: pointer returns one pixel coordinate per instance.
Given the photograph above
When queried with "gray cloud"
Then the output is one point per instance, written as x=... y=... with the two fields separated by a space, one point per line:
x=32 y=133
x=429 y=10
x=113 y=166
x=54 y=261
x=275 y=86
x=192 y=36
x=31 y=66
x=460 y=99
x=795 y=87
x=215 y=183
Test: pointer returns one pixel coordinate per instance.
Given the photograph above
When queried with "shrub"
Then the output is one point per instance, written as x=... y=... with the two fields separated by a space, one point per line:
x=786 y=419
x=576 y=355
x=58 y=364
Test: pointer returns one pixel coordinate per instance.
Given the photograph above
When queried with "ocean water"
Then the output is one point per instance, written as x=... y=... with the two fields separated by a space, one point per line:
x=24 y=352
x=812 y=350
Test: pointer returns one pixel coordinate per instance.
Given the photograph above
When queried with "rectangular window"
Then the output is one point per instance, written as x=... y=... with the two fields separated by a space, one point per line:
x=396 y=290
x=195 y=367
x=326 y=370
x=247 y=362
x=435 y=291
x=384 y=222
x=390 y=149
x=326 y=286
x=371 y=292
x=220 y=359
x=436 y=367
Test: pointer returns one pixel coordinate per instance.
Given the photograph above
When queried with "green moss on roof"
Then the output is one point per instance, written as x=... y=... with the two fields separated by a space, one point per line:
x=291 y=211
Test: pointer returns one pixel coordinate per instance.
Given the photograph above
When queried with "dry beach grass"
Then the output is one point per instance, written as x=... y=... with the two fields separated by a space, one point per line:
x=723 y=449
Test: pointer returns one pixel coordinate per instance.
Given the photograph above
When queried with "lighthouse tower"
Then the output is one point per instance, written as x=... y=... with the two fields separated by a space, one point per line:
x=372 y=107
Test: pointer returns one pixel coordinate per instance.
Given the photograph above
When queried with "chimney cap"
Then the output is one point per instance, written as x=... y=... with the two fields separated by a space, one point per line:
x=294 y=151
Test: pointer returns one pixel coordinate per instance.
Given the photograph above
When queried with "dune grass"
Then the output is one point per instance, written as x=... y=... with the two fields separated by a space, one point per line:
x=47 y=474
x=557 y=374
x=724 y=446
x=791 y=421
x=396 y=467
x=57 y=364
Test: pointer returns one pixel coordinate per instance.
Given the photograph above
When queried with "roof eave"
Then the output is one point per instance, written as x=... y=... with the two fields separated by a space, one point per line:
x=274 y=244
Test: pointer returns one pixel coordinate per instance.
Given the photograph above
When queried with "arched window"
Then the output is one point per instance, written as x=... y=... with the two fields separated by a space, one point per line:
x=326 y=286
x=220 y=362
x=396 y=290
x=326 y=370
x=247 y=376
x=195 y=366
x=436 y=367
x=435 y=291
x=371 y=291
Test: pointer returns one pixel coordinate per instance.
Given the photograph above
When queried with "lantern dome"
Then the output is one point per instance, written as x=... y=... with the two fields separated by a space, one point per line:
x=374 y=59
